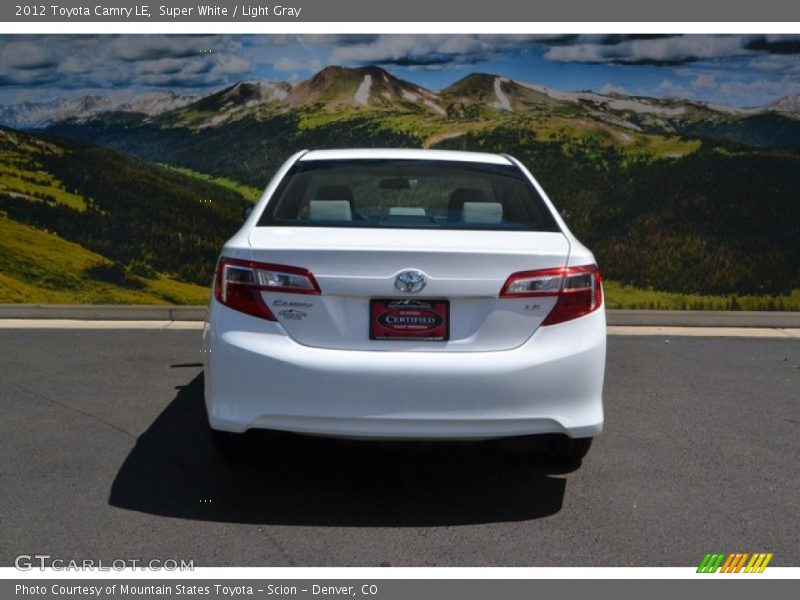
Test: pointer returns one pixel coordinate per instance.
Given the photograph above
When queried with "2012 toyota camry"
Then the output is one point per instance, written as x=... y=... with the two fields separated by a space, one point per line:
x=406 y=294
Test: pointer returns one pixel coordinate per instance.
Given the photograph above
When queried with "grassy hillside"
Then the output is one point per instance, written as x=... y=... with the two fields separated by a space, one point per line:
x=250 y=193
x=683 y=232
x=712 y=221
x=629 y=297
x=666 y=212
x=22 y=174
x=127 y=230
x=40 y=267
x=674 y=196
x=249 y=149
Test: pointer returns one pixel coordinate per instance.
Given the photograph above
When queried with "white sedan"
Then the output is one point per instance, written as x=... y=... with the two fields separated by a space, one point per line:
x=407 y=295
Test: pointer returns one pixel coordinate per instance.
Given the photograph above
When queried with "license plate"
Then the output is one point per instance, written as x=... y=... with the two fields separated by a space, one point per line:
x=405 y=319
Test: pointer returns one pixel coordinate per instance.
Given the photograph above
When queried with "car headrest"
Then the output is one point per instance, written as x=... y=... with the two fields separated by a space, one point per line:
x=330 y=210
x=482 y=212
x=457 y=199
x=407 y=211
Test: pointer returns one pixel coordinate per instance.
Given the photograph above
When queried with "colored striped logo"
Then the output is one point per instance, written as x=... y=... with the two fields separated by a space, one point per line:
x=734 y=562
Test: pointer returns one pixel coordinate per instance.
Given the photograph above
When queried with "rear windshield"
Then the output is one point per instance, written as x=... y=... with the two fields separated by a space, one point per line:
x=410 y=194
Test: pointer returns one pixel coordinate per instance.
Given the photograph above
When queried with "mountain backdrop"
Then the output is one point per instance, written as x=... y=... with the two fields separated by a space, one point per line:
x=686 y=204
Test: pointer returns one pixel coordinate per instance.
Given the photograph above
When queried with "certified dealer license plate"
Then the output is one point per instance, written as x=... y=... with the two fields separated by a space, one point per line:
x=405 y=319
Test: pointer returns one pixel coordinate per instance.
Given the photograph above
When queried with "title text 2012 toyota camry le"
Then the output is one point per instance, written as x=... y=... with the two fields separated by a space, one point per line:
x=407 y=295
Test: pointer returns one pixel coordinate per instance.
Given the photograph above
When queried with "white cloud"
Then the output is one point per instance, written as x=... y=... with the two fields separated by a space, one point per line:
x=662 y=50
x=230 y=64
x=208 y=70
x=422 y=50
x=78 y=62
x=738 y=90
x=610 y=88
x=419 y=50
x=287 y=63
x=152 y=47
x=704 y=81
x=673 y=90
x=735 y=68
x=26 y=63
x=759 y=91
x=75 y=66
x=26 y=56
x=777 y=63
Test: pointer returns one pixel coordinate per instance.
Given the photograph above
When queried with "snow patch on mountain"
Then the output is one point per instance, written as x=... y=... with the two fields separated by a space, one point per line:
x=788 y=104
x=39 y=114
x=640 y=107
x=435 y=107
x=269 y=90
x=33 y=115
x=248 y=94
x=609 y=102
x=362 y=93
x=503 y=101
x=156 y=102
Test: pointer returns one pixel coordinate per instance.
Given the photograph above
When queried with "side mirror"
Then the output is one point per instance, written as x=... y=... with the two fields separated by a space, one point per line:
x=247 y=210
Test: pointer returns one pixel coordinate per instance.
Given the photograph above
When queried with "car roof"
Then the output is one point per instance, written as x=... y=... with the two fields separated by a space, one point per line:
x=405 y=154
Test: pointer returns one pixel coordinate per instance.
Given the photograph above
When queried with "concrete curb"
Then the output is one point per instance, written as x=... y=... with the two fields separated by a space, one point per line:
x=703 y=318
x=628 y=318
x=103 y=312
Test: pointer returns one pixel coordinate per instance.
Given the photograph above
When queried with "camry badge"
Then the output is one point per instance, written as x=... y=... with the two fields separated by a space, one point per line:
x=410 y=282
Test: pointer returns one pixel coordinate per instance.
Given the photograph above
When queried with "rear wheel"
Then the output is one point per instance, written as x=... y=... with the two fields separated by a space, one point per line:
x=552 y=448
x=564 y=449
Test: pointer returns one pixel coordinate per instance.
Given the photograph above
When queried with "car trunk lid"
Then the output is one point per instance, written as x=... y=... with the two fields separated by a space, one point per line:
x=356 y=267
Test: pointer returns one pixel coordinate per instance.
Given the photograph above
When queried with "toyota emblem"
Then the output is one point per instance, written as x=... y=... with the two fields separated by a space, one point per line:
x=410 y=282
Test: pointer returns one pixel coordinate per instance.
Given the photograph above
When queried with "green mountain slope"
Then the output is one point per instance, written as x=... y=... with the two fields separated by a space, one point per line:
x=139 y=232
x=40 y=267
x=671 y=195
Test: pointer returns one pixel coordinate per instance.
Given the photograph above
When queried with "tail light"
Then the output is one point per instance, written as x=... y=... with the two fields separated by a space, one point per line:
x=578 y=289
x=238 y=284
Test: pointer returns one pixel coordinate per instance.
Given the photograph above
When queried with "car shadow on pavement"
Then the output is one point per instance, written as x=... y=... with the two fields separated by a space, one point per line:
x=295 y=480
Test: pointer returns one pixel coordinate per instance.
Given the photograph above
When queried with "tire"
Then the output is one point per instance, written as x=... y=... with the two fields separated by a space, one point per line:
x=566 y=450
x=231 y=447
x=556 y=449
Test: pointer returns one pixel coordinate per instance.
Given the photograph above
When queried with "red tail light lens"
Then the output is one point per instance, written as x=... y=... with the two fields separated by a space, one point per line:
x=238 y=284
x=579 y=290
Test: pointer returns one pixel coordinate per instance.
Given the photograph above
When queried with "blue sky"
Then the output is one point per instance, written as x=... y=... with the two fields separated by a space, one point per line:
x=742 y=70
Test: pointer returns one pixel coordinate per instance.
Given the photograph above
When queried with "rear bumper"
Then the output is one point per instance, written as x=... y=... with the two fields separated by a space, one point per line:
x=258 y=378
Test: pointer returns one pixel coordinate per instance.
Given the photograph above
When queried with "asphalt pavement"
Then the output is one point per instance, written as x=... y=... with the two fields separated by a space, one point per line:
x=105 y=456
